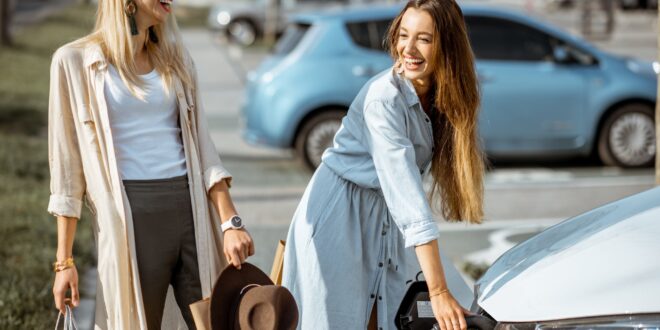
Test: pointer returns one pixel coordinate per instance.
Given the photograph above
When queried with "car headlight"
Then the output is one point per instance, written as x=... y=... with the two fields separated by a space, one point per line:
x=643 y=67
x=267 y=77
x=223 y=18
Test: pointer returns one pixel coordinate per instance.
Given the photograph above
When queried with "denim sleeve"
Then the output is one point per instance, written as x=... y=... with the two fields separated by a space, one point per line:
x=394 y=159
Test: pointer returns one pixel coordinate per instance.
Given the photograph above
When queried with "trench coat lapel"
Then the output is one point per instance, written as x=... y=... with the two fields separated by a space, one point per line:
x=197 y=193
x=107 y=148
x=98 y=71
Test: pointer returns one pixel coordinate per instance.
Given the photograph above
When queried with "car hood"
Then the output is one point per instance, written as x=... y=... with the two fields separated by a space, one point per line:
x=603 y=262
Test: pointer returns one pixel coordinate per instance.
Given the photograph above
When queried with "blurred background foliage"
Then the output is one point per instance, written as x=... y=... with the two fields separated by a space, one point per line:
x=29 y=233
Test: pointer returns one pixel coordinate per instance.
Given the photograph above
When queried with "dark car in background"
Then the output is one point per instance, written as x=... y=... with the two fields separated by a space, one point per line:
x=545 y=93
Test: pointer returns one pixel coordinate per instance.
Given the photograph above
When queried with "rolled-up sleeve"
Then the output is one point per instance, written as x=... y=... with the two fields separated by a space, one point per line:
x=213 y=170
x=400 y=181
x=67 y=182
x=212 y=167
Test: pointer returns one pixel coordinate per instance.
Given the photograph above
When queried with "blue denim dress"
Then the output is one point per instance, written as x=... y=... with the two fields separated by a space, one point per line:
x=350 y=243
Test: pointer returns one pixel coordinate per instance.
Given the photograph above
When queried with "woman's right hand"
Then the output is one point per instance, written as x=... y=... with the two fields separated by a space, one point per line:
x=449 y=314
x=64 y=280
x=238 y=246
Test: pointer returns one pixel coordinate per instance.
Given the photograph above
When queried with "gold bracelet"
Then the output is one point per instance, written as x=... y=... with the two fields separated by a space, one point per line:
x=437 y=293
x=59 y=266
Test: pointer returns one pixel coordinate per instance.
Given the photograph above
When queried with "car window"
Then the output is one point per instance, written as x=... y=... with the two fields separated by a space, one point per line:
x=574 y=55
x=499 y=39
x=369 y=34
x=291 y=37
x=381 y=28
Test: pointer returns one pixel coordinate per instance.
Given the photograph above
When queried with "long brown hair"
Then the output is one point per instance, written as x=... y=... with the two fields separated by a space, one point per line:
x=458 y=162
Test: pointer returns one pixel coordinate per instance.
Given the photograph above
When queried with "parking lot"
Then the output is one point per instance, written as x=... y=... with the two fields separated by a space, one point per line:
x=268 y=183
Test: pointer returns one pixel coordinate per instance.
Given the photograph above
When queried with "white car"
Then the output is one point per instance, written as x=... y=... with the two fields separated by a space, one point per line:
x=599 y=270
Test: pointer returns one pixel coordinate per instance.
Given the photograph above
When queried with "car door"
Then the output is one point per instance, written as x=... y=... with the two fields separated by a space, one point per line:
x=530 y=103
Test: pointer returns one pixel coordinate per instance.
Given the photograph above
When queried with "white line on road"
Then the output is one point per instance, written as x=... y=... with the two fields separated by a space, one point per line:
x=574 y=183
x=499 y=244
x=528 y=224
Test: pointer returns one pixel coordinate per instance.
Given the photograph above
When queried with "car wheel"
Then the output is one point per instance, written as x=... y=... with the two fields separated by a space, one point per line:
x=316 y=135
x=628 y=137
x=242 y=32
x=628 y=4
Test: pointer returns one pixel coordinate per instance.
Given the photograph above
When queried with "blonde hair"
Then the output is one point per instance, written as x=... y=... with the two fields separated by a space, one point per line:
x=458 y=162
x=112 y=33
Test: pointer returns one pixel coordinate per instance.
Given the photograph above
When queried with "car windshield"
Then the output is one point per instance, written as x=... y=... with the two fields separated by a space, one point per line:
x=291 y=37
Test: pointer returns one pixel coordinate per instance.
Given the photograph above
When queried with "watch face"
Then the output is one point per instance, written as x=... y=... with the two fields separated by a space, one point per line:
x=236 y=221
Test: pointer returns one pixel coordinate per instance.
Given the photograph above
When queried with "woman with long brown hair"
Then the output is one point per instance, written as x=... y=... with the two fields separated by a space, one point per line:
x=365 y=213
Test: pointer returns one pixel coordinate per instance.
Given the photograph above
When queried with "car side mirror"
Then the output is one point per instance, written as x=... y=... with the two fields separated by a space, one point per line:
x=561 y=54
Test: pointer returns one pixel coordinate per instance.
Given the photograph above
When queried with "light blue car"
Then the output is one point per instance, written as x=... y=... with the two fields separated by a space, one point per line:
x=545 y=93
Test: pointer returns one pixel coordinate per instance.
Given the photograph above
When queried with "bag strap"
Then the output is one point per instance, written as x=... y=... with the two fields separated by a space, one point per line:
x=69 y=320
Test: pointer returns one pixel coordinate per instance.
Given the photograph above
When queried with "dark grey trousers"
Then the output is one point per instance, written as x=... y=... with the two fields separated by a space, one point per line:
x=165 y=245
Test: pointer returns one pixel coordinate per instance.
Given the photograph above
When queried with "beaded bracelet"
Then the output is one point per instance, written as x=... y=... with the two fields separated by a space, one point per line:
x=59 y=266
x=437 y=293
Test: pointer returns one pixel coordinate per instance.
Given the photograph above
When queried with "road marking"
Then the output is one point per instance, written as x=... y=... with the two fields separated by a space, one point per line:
x=499 y=244
x=500 y=224
x=574 y=183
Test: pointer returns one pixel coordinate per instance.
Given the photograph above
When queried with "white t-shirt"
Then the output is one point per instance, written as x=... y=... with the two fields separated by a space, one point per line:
x=146 y=134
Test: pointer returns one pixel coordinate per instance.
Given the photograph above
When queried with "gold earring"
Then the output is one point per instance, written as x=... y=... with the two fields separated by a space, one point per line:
x=399 y=67
x=130 y=9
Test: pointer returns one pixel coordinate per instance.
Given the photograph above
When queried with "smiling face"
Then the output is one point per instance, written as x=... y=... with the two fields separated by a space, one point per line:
x=152 y=12
x=415 y=45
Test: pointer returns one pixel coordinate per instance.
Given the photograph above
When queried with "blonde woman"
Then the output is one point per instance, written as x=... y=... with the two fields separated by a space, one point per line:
x=127 y=133
x=365 y=215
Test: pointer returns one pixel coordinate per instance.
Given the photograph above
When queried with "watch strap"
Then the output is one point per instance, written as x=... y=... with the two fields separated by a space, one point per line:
x=230 y=225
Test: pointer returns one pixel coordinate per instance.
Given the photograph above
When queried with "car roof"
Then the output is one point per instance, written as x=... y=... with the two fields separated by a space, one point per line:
x=359 y=12
x=367 y=12
x=349 y=13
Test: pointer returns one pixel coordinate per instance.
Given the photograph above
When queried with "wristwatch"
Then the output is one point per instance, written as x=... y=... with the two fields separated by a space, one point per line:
x=234 y=222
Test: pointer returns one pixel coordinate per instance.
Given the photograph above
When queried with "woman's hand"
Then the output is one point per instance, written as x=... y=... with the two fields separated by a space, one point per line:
x=238 y=245
x=448 y=313
x=446 y=309
x=65 y=280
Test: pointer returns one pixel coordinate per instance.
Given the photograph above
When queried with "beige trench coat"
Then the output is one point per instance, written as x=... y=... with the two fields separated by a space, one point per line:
x=83 y=165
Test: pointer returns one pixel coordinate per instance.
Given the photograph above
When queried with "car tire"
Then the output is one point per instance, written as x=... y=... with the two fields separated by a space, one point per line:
x=242 y=32
x=627 y=138
x=628 y=4
x=316 y=135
